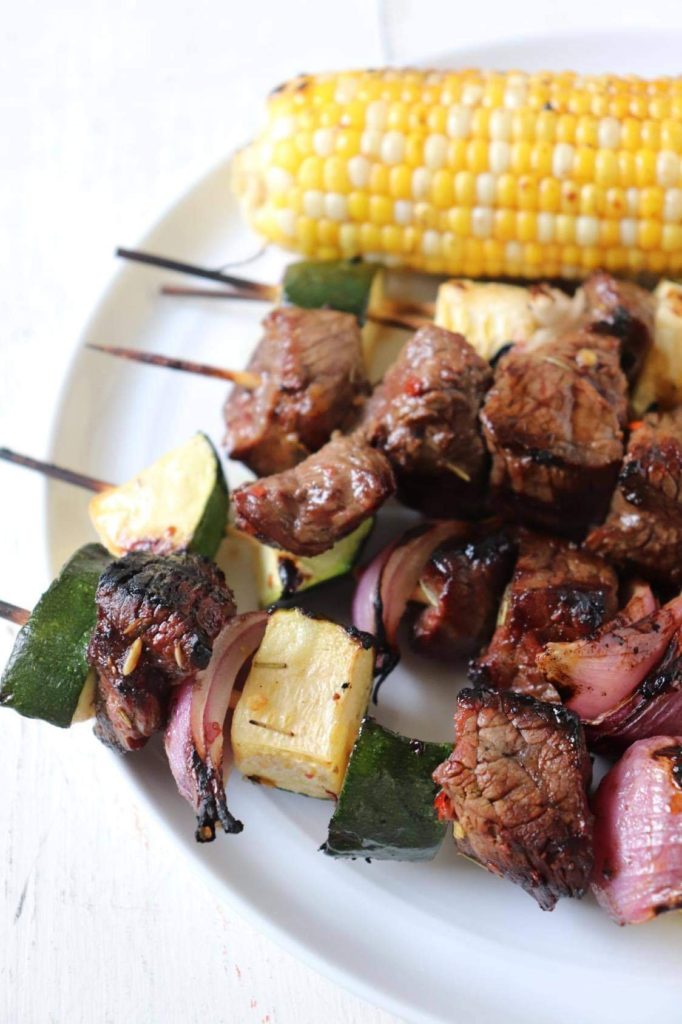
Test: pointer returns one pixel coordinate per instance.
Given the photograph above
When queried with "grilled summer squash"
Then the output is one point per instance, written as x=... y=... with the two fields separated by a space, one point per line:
x=179 y=502
x=297 y=719
x=385 y=810
x=48 y=675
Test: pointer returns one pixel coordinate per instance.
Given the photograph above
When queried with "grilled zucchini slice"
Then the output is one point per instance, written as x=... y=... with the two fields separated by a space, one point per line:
x=282 y=574
x=385 y=810
x=48 y=675
x=297 y=719
x=348 y=286
x=179 y=502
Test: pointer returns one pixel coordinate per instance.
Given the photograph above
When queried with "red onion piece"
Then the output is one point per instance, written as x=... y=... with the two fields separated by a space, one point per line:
x=603 y=670
x=654 y=709
x=388 y=581
x=195 y=735
x=638 y=832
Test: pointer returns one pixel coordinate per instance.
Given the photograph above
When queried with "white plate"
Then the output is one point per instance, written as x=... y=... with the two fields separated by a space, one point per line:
x=442 y=941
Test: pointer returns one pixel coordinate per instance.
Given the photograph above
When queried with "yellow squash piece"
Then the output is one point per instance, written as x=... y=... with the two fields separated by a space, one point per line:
x=299 y=714
x=661 y=377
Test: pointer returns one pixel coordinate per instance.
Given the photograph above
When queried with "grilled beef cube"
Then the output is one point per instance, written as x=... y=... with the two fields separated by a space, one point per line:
x=313 y=378
x=515 y=786
x=558 y=593
x=424 y=417
x=624 y=311
x=463 y=584
x=157 y=618
x=305 y=510
x=553 y=422
x=651 y=477
x=643 y=531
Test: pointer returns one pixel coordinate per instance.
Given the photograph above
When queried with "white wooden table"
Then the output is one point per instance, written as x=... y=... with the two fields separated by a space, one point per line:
x=107 y=113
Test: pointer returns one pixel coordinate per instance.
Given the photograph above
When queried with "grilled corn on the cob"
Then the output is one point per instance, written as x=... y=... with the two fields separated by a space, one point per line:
x=472 y=173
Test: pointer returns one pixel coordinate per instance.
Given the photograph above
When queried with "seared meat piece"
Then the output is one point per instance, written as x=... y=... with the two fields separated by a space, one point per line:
x=643 y=531
x=638 y=832
x=557 y=593
x=424 y=417
x=516 y=787
x=463 y=584
x=157 y=618
x=313 y=378
x=553 y=422
x=651 y=476
x=624 y=311
x=307 y=509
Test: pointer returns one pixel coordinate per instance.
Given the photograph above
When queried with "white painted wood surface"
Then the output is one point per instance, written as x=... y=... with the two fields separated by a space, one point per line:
x=107 y=113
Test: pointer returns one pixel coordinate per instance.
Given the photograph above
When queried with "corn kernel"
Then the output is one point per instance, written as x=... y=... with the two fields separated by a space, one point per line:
x=631 y=135
x=460 y=221
x=378 y=179
x=465 y=188
x=349 y=239
x=506 y=190
x=606 y=168
x=526 y=226
x=671 y=240
x=549 y=195
x=414 y=150
x=586 y=132
x=358 y=206
x=335 y=174
x=565 y=228
x=442 y=190
x=370 y=238
x=521 y=153
x=645 y=167
x=400 y=182
x=504 y=225
x=527 y=195
x=380 y=209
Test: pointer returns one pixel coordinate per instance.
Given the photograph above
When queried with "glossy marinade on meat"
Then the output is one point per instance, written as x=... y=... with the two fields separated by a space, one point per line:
x=553 y=422
x=515 y=787
x=157 y=618
x=312 y=381
x=559 y=593
x=462 y=585
x=307 y=509
x=554 y=418
x=625 y=311
x=643 y=531
x=424 y=417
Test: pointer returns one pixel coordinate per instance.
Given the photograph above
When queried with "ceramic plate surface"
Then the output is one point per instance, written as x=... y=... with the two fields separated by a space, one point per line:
x=442 y=941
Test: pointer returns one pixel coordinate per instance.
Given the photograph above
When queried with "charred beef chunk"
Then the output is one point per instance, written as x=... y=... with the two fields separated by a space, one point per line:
x=624 y=311
x=462 y=584
x=424 y=417
x=515 y=786
x=157 y=618
x=553 y=422
x=643 y=531
x=307 y=509
x=558 y=593
x=313 y=377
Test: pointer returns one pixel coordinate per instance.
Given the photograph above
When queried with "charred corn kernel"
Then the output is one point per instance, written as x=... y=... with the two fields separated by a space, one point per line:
x=472 y=171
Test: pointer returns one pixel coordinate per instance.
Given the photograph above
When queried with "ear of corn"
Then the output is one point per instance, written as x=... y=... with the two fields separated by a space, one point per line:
x=472 y=173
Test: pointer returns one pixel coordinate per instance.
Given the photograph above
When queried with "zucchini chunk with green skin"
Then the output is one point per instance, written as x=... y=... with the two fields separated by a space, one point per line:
x=180 y=502
x=282 y=574
x=48 y=675
x=345 y=285
x=385 y=810
x=307 y=690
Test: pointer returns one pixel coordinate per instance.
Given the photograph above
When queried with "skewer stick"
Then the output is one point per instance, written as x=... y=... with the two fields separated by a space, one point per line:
x=13 y=613
x=392 y=314
x=266 y=292
x=69 y=476
x=244 y=378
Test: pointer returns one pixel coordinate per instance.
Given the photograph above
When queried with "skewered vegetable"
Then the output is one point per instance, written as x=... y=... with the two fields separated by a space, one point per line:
x=470 y=172
x=281 y=574
x=179 y=502
x=48 y=675
x=385 y=810
x=492 y=315
x=302 y=703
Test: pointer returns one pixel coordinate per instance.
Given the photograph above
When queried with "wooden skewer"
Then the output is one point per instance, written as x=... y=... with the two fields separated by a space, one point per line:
x=244 y=378
x=408 y=315
x=69 y=476
x=266 y=292
x=390 y=316
x=13 y=613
